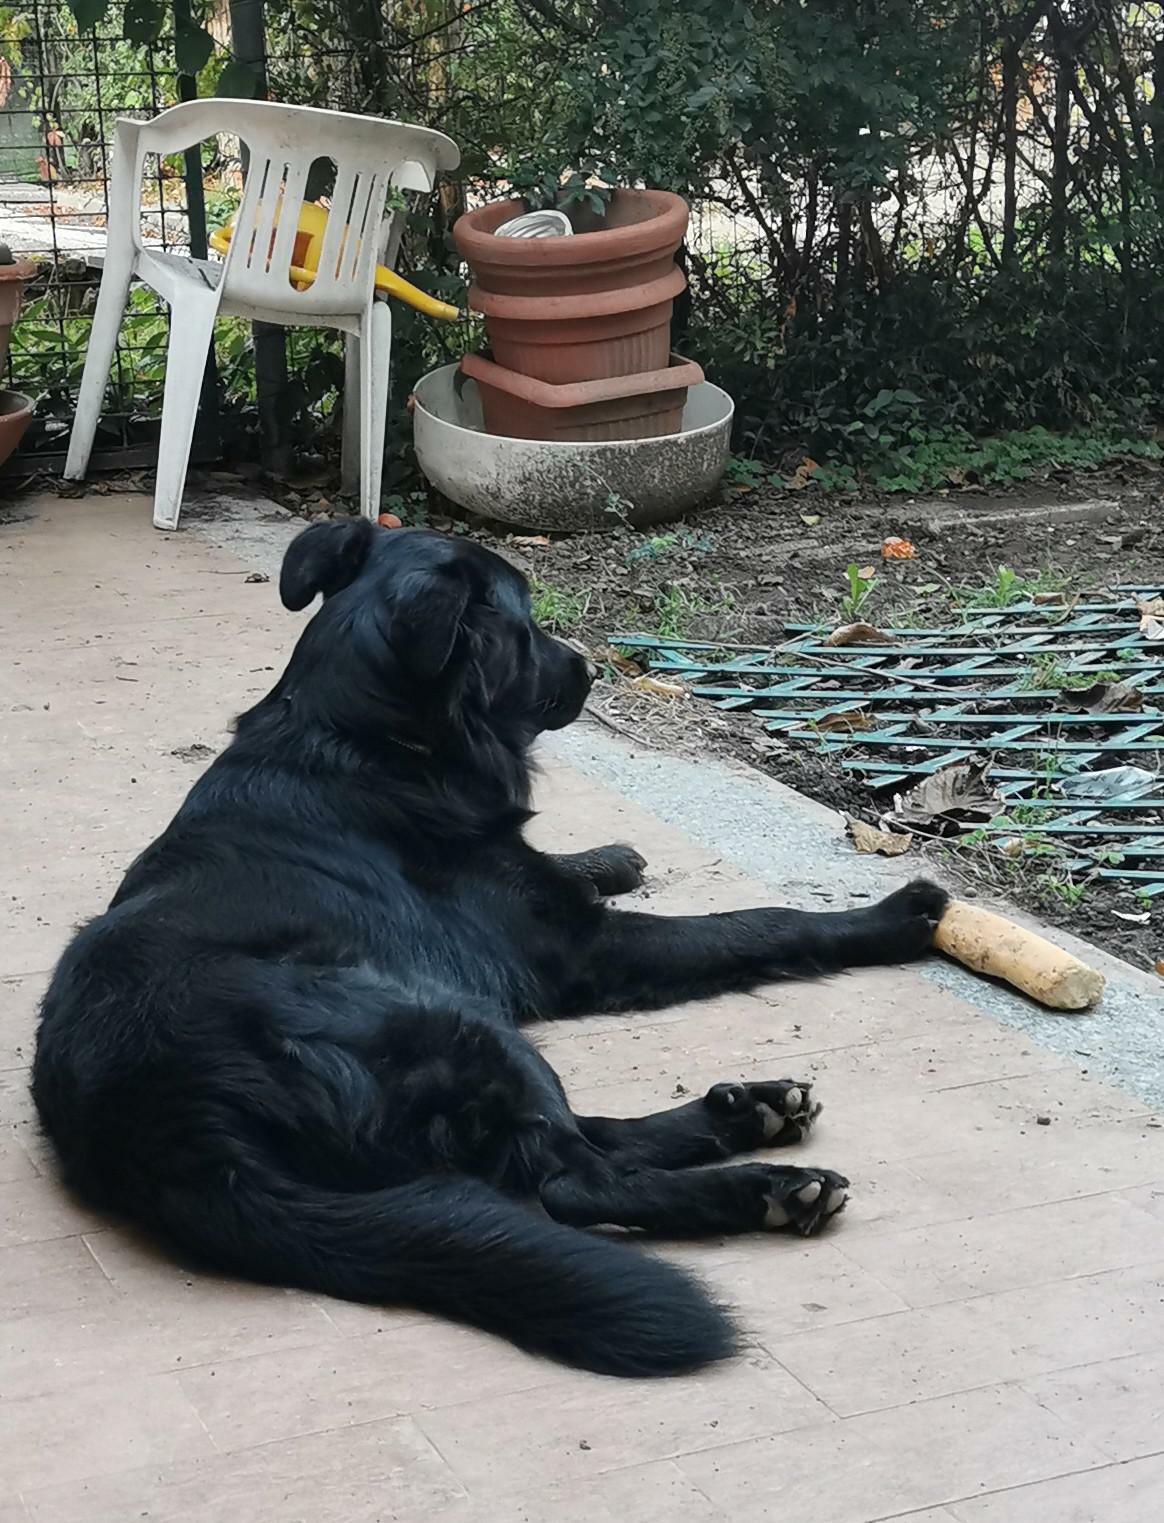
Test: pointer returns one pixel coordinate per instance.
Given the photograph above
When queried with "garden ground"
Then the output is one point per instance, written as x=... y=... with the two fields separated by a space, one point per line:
x=976 y=1342
x=765 y=556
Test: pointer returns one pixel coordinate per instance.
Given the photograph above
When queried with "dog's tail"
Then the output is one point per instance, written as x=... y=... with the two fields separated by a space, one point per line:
x=459 y=1248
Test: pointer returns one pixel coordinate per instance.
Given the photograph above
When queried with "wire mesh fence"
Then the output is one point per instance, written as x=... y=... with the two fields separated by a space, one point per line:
x=60 y=94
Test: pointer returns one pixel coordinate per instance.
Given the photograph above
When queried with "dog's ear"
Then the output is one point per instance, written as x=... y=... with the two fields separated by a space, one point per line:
x=427 y=612
x=325 y=558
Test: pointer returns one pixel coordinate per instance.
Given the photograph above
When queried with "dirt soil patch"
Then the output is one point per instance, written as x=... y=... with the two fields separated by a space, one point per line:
x=741 y=570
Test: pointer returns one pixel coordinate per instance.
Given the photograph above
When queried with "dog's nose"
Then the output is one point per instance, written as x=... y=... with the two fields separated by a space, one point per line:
x=580 y=650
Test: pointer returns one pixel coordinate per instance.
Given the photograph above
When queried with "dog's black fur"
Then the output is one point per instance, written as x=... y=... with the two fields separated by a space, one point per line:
x=292 y=1043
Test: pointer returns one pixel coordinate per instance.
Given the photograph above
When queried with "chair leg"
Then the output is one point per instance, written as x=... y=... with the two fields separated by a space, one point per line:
x=375 y=366
x=350 y=457
x=191 y=332
x=112 y=297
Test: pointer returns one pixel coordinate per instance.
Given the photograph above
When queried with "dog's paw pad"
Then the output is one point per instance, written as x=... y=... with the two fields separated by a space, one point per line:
x=772 y=1114
x=803 y=1199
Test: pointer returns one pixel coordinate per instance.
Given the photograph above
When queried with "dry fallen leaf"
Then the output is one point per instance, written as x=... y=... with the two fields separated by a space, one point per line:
x=606 y=655
x=858 y=634
x=848 y=723
x=1160 y=966
x=1151 y=611
x=530 y=540
x=867 y=573
x=896 y=549
x=660 y=689
x=810 y=520
x=949 y=797
x=884 y=843
x=1110 y=698
x=802 y=475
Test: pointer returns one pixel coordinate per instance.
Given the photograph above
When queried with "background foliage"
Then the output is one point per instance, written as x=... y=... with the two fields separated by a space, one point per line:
x=916 y=222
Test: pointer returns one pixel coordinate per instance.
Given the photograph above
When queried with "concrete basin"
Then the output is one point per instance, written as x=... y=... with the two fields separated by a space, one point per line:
x=555 y=486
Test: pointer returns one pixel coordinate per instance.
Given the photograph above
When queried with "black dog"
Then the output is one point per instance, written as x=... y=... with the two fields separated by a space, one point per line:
x=292 y=1047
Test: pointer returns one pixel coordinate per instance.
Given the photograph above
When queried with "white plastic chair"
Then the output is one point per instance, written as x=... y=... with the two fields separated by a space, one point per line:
x=370 y=154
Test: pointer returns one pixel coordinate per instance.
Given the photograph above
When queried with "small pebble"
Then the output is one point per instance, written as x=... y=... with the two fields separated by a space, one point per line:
x=1043 y=1120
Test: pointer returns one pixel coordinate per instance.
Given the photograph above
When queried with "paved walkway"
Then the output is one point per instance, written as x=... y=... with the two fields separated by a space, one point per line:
x=980 y=1340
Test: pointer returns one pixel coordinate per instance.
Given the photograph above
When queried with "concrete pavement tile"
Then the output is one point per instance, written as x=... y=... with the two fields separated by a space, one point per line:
x=344 y=1381
x=888 y=1464
x=97 y=1430
x=1032 y=1163
x=654 y=1493
x=19 y=998
x=32 y=1210
x=1116 y=1494
x=51 y=1276
x=382 y=1472
x=781 y=1284
x=1012 y=1335
x=929 y=1265
x=15 y=1162
x=581 y=1425
x=1119 y=1403
x=1150 y=1198
x=196 y=1324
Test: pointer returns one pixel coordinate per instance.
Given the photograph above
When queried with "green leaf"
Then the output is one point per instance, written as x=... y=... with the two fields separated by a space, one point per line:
x=143 y=21
x=193 y=46
x=88 y=13
x=240 y=80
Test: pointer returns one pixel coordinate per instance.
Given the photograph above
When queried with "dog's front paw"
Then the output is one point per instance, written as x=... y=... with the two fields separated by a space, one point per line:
x=907 y=918
x=616 y=869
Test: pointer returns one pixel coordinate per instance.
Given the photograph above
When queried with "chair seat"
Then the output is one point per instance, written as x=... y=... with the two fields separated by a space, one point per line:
x=174 y=276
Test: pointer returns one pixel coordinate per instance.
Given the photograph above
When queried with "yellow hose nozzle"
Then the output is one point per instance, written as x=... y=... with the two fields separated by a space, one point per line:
x=305 y=266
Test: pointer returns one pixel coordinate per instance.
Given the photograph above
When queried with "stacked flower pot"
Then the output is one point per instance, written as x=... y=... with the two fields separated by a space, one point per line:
x=15 y=409
x=579 y=327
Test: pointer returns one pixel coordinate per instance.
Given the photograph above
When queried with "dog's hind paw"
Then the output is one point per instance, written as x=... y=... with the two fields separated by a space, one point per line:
x=803 y=1199
x=775 y=1114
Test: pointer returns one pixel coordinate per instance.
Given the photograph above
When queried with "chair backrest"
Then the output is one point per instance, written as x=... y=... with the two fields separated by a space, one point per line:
x=370 y=155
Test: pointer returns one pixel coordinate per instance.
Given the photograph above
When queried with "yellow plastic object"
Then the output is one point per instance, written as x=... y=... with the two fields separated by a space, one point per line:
x=305 y=254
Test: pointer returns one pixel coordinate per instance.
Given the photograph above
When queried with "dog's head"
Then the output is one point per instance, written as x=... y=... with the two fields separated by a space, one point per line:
x=430 y=627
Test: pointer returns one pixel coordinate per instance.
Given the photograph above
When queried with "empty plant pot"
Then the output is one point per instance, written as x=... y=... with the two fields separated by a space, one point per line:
x=589 y=307
x=643 y=406
x=13 y=279
x=15 y=416
x=583 y=342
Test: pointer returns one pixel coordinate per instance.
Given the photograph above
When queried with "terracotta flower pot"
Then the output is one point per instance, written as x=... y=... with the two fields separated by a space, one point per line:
x=643 y=406
x=15 y=416
x=584 y=308
x=13 y=279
